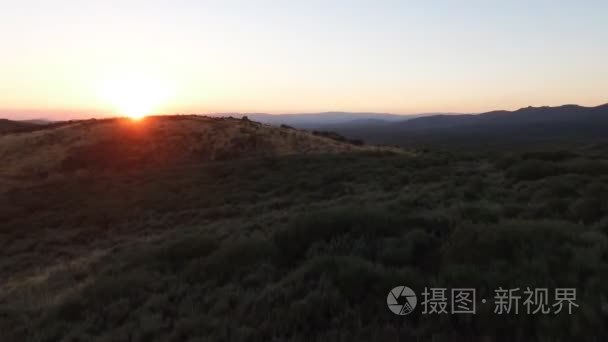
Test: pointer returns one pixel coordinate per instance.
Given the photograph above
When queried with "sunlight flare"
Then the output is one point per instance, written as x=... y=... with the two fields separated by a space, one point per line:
x=135 y=96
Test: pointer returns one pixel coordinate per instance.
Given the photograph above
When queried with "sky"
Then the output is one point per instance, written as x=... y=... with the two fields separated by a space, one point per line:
x=74 y=58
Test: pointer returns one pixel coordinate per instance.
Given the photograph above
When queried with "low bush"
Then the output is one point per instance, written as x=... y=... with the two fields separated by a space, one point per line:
x=230 y=259
x=533 y=170
x=324 y=225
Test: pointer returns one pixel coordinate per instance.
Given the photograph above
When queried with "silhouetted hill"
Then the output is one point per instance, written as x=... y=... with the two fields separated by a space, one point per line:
x=326 y=120
x=525 y=124
x=10 y=126
x=123 y=144
x=528 y=115
x=38 y=121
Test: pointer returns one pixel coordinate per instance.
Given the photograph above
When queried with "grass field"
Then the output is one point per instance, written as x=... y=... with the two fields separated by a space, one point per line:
x=305 y=247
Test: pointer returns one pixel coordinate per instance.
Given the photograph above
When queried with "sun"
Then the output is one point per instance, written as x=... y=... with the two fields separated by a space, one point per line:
x=134 y=96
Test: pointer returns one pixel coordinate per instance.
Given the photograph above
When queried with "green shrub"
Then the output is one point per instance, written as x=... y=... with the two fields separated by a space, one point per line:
x=533 y=170
x=413 y=249
x=562 y=186
x=588 y=210
x=230 y=259
x=602 y=226
x=112 y=287
x=504 y=161
x=556 y=207
x=478 y=212
x=324 y=225
x=516 y=249
x=180 y=252
x=554 y=156
x=586 y=166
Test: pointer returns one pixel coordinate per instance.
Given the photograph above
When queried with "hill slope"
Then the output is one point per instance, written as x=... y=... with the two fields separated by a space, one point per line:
x=10 y=126
x=326 y=120
x=528 y=115
x=122 y=144
x=524 y=125
x=306 y=248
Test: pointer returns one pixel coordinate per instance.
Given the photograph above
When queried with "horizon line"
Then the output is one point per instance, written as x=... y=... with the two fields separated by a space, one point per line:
x=82 y=114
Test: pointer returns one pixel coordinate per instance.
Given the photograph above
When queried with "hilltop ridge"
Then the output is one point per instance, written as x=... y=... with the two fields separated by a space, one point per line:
x=124 y=144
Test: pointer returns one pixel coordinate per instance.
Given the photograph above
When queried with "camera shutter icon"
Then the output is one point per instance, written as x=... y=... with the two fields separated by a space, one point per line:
x=401 y=300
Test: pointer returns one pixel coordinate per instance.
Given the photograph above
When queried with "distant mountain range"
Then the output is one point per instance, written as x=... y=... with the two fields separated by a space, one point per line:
x=530 y=124
x=568 y=122
x=7 y=126
x=13 y=126
x=528 y=115
x=325 y=119
x=38 y=121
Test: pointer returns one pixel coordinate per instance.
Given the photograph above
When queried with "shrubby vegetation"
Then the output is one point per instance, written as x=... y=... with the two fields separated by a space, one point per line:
x=306 y=248
x=337 y=137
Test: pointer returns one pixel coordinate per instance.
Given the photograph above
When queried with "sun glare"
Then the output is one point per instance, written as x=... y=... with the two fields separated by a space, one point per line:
x=135 y=97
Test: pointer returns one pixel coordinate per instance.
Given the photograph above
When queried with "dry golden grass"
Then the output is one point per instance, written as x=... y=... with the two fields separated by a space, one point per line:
x=46 y=286
x=32 y=160
x=156 y=141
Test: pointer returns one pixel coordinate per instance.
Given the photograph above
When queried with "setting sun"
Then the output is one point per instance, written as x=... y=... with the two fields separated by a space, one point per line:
x=135 y=97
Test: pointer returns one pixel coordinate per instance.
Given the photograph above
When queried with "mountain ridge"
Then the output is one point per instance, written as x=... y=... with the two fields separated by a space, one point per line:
x=320 y=120
x=9 y=126
x=499 y=126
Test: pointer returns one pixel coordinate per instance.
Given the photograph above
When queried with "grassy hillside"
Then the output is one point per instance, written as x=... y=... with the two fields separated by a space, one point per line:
x=10 y=126
x=154 y=143
x=299 y=247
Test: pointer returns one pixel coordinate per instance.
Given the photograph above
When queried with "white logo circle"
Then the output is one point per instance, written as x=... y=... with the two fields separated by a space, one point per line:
x=401 y=300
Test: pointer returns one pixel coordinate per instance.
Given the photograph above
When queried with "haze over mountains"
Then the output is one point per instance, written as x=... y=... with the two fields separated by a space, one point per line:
x=525 y=124
x=321 y=120
x=13 y=126
x=528 y=115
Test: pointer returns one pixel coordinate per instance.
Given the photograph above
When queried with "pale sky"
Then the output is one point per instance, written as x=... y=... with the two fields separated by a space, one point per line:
x=83 y=58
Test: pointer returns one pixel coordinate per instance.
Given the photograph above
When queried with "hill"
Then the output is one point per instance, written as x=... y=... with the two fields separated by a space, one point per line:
x=10 y=126
x=305 y=247
x=523 y=116
x=38 y=121
x=326 y=120
x=122 y=144
x=114 y=230
x=526 y=125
